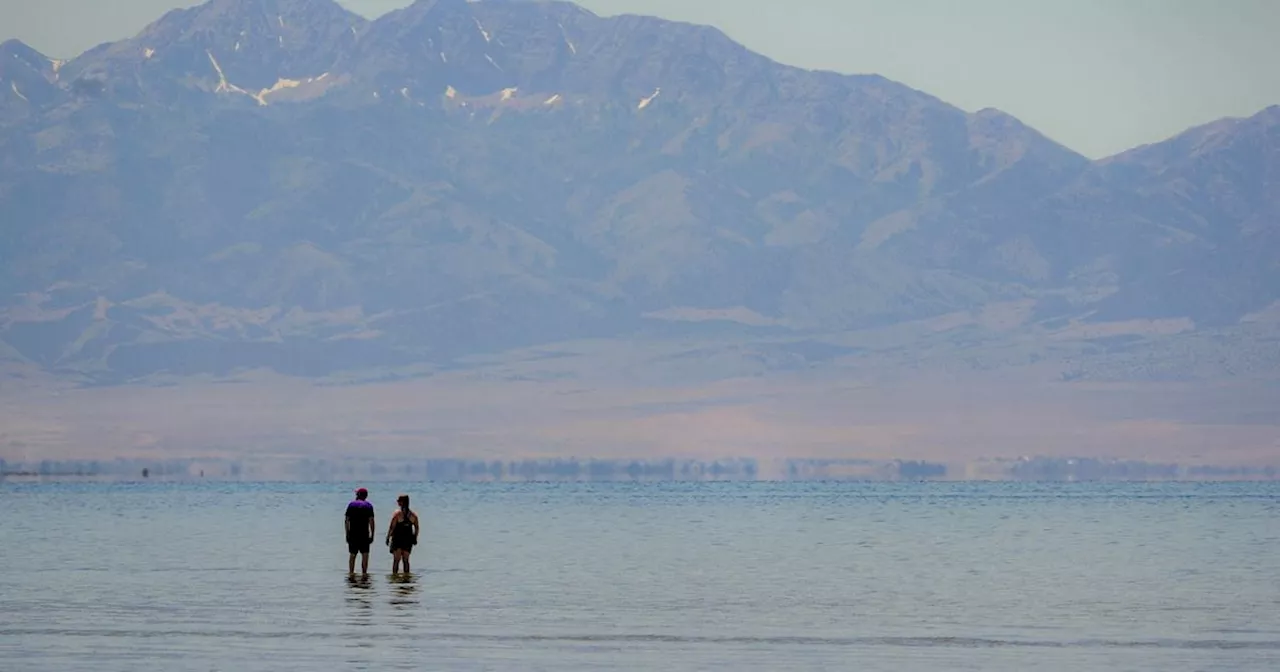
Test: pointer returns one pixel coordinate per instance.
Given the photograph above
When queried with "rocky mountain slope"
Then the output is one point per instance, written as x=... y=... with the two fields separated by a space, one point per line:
x=283 y=184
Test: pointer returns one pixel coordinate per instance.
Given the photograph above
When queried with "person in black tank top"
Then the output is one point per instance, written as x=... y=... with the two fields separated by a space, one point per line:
x=402 y=535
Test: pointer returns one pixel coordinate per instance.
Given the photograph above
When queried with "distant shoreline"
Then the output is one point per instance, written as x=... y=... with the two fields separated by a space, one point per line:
x=637 y=470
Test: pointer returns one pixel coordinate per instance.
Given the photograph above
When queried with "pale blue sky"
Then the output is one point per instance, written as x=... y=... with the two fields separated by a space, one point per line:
x=1099 y=76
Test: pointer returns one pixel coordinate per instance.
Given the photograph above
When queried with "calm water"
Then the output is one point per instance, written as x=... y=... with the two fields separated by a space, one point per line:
x=668 y=577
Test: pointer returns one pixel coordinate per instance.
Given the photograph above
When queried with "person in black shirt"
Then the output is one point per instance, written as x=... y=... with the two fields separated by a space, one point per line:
x=360 y=531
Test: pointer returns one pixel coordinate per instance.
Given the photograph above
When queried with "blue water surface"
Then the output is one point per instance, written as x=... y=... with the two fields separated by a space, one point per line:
x=673 y=576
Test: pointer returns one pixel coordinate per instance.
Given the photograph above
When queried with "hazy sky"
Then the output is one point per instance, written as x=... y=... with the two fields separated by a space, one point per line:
x=1099 y=76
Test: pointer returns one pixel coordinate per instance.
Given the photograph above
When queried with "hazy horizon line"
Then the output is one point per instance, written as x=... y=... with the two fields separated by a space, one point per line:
x=626 y=469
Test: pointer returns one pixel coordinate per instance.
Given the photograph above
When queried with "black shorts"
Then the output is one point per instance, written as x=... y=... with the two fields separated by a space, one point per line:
x=358 y=545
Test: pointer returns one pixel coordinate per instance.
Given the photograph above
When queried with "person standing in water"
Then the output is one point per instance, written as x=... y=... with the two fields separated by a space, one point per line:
x=402 y=534
x=360 y=531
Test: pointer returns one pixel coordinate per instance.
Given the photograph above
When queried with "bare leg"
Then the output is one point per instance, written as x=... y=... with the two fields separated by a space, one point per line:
x=351 y=565
x=364 y=563
x=405 y=554
x=395 y=561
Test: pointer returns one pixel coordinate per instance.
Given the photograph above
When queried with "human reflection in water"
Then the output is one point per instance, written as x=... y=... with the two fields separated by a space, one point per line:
x=404 y=591
x=360 y=600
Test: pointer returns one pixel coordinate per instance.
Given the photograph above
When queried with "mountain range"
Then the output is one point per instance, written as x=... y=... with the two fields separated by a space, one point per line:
x=285 y=185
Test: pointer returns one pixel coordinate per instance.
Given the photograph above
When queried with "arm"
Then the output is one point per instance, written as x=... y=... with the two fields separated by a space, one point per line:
x=391 y=526
x=415 y=528
x=373 y=529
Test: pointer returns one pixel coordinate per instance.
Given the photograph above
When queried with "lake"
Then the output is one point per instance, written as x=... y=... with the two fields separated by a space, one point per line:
x=681 y=576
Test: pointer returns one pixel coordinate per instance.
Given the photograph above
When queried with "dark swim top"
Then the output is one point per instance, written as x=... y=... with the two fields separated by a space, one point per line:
x=359 y=512
x=402 y=534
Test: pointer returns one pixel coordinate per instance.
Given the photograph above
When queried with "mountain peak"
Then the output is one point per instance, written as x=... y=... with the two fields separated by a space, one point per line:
x=286 y=7
x=17 y=49
x=237 y=18
x=27 y=80
x=28 y=61
x=549 y=48
x=1199 y=140
x=429 y=4
x=230 y=46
